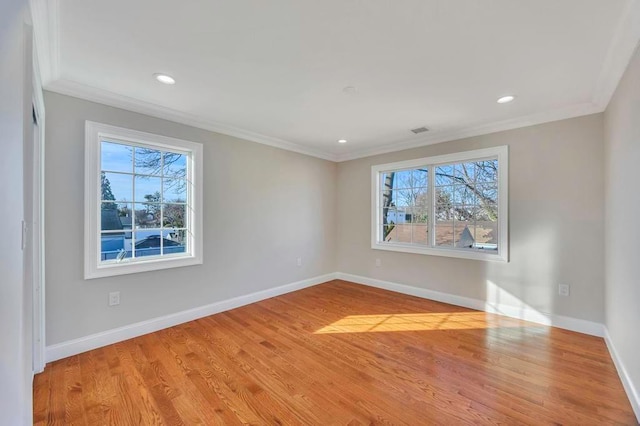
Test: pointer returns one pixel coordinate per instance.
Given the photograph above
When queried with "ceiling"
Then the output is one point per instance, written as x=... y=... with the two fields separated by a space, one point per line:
x=275 y=72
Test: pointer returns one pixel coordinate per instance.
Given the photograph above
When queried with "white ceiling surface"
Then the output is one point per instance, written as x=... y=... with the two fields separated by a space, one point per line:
x=274 y=71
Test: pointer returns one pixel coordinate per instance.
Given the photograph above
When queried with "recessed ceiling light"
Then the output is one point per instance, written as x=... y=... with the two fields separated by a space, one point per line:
x=342 y=141
x=506 y=99
x=350 y=90
x=164 y=78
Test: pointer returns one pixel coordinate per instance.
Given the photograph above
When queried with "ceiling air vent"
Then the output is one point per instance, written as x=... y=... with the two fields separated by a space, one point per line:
x=420 y=130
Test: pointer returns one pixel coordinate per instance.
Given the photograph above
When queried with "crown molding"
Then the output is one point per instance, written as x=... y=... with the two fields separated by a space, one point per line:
x=45 y=17
x=483 y=129
x=623 y=45
x=93 y=94
x=105 y=97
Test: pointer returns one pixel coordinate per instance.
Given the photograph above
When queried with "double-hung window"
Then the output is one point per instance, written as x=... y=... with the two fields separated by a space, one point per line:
x=452 y=205
x=143 y=201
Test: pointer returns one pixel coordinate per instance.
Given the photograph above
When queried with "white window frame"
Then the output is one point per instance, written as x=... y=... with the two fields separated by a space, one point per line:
x=94 y=134
x=500 y=153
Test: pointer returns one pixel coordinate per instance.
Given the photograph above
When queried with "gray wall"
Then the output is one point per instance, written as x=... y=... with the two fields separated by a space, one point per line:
x=622 y=201
x=15 y=297
x=556 y=223
x=263 y=208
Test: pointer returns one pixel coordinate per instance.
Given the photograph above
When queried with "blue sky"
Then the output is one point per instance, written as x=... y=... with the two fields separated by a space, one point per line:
x=119 y=158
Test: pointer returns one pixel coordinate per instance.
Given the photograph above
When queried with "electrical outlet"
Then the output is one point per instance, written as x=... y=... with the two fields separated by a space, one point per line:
x=299 y=261
x=563 y=289
x=378 y=262
x=114 y=298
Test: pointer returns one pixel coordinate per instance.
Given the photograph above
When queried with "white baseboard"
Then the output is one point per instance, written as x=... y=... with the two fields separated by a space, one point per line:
x=93 y=341
x=97 y=340
x=524 y=313
x=630 y=389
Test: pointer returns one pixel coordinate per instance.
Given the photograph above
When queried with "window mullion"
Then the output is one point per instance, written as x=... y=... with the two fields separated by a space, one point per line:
x=133 y=205
x=162 y=155
x=379 y=208
x=431 y=224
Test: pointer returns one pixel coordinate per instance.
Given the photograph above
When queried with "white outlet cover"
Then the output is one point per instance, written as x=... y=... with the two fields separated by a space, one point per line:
x=563 y=289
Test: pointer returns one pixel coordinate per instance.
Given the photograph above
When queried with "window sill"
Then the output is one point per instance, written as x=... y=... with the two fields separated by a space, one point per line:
x=446 y=252
x=123 y=268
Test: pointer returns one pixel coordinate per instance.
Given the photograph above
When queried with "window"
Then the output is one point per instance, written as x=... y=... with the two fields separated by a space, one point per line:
x=143 y=198
x=452 y=205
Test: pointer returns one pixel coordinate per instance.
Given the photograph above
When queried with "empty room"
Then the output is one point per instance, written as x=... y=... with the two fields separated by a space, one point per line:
x=340 y=212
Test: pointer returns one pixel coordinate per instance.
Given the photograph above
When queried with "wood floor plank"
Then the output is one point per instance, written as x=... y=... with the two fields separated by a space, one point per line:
x=340 y=354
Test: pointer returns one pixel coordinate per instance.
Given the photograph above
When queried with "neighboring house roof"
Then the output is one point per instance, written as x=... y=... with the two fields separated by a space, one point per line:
x=154 y=241
x=111 y=221
x=466 y=239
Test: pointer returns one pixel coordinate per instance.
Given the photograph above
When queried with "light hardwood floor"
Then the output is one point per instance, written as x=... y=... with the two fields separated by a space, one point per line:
x=340 y=354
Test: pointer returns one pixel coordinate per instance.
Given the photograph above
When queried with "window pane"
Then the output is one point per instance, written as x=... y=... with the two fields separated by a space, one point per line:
x=404 y=197
x=387 y=180
x=116 y=157
x=114 y=246
x=465 y=194
x=386 y=198
x=421 y=197
x=389 y=215
x=465 y=172
x=444 y=175
x=175 y=190
x=116 y=186
x=174 y=215
x=487 y=193
x=147 y=243
x=147 y=215
x=420 y=178
x=402 y=179
x=148 y=189
x=487 y=235
x=403 y=232
x=444 y=225
x=487 y=212
x=388 y=232
x=115 y=216
x=408 y=214
x=464 y=231
x=175 y=165
x=444 y=233
x=419 y=215
x=444 y=213
x=445 y=195
x=148 y=161
x=383 y=215
x=487 y=227
x=174 y=242
x=487 y=171
x=403 y=215
x=420 y=234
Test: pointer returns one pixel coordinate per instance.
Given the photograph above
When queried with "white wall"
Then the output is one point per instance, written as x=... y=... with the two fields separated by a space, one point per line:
x=249 y=243
x=556 y=223
x=15 y=301
x=622 y=201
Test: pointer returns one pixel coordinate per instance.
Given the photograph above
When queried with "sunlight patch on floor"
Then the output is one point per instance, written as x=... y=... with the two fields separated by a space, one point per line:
x=418 y=322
